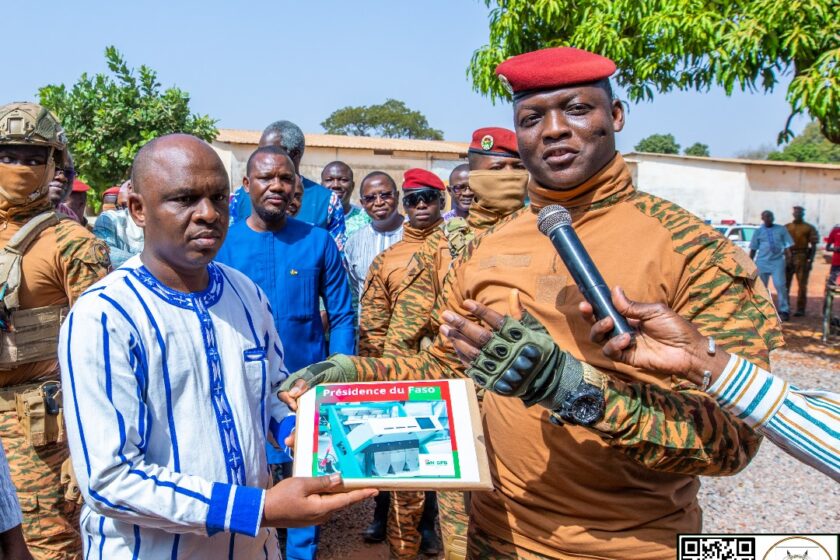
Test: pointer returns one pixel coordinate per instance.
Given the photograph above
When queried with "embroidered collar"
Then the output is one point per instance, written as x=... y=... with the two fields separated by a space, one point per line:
x=207 y=297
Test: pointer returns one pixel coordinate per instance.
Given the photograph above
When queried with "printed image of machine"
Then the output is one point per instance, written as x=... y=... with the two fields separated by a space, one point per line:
x=380 y=439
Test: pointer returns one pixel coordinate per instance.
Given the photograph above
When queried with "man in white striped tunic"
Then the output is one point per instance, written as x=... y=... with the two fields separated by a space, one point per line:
x=169 y=370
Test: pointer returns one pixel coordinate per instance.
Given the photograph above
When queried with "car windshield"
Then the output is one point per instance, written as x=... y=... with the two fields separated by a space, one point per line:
x=748 y=233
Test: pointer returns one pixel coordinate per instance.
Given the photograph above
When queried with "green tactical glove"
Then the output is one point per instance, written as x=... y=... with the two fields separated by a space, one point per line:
x=338 y=368
x=522 y=360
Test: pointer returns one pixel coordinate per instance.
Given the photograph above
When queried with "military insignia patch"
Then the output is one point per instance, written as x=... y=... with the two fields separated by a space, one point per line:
x=487 y=142
x=506 y=84
x=99 y=253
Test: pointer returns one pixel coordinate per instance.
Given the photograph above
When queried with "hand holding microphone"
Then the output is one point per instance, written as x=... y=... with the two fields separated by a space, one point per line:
x=555 y=222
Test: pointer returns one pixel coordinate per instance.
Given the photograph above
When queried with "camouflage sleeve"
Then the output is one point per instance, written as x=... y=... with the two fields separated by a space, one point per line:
x=411 y=315
x=84 y=259
x=680 y=431
x=375 y=314
x=438 y=361
x=722 y=295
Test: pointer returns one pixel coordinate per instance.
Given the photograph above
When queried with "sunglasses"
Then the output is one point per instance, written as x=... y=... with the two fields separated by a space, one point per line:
x=427 y=197
x=457 y=189
x=371 y=198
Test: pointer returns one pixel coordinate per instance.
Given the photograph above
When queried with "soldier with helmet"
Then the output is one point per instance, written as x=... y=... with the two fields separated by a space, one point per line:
x=46 y=262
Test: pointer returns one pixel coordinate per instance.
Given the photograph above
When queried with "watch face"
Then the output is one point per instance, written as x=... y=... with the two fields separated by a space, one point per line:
x=588 y=409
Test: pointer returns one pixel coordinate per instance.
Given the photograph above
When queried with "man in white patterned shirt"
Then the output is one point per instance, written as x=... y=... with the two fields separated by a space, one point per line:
x=170 y=366
x=380 y=199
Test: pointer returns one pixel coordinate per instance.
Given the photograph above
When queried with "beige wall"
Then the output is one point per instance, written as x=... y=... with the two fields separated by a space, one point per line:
x=726 y=189
x=711 y=191
x=778 y=189
x=235 y=156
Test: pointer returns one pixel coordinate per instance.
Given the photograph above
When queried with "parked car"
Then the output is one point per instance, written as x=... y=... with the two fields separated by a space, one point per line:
x=739 y=234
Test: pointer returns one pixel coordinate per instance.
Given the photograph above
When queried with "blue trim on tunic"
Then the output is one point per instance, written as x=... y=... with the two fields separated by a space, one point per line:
x=167 y=384
x=221 y=405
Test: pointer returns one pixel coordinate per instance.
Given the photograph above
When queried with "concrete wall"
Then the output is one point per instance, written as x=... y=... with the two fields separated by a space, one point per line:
x=778 y=189
x=718 y=189
x=235 y=157
x=714 y=192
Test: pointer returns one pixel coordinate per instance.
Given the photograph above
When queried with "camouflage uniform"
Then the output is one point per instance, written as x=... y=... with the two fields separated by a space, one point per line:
x=658 y=433
x=805 y=239
x=411 y=329
x=62 y=261
x=382 y=287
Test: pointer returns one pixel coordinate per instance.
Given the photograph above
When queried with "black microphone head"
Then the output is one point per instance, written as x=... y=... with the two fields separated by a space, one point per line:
x=553 y=217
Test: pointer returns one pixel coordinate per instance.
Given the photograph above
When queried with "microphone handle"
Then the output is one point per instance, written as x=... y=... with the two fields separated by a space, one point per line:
x=589 y=280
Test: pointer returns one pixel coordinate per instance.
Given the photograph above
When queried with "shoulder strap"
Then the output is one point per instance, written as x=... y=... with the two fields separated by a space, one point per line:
x=12 y=254
x=458 y=235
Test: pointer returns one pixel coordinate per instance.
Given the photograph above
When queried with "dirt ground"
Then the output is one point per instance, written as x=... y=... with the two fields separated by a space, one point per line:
x=722 y=499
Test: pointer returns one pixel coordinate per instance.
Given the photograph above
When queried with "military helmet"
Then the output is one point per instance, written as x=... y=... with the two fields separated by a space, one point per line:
x=30 y=124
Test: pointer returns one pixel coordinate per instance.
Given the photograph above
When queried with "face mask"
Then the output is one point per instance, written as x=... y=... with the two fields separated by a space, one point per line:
x=21 y=184
x=499 y=192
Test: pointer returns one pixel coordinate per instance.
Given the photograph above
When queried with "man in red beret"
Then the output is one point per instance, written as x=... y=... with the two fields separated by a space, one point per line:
x=500 y=181
x=423 y=199
x=77 y=202
x=606 y=465
x=109 y=198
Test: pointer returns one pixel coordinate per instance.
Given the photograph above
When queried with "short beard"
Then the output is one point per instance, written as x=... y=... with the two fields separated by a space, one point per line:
x=270 y=217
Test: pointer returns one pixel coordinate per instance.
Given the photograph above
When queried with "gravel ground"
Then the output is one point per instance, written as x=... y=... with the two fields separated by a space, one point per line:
x=776 y=493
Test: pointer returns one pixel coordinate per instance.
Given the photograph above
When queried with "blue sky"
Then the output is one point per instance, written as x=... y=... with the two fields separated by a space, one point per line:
x=249 y=63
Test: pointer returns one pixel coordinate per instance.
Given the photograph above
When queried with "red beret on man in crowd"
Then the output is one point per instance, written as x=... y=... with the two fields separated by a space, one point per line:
x=552 y=68
x=79 y=186
x=494 y=141
x=112 y=191
x=416 y=178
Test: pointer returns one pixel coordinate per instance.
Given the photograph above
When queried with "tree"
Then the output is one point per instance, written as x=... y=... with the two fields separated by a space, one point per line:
x=760 y=152
x=658 y=144
x=673 y=44
x=108 y=118
x=391 y=119
x=697 y=149
x=810 y=146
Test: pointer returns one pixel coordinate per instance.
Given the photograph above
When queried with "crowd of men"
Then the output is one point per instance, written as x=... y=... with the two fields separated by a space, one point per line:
x=150 y=368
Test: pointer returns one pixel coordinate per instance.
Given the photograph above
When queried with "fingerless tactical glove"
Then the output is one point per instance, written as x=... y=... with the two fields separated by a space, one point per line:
x=522 y=360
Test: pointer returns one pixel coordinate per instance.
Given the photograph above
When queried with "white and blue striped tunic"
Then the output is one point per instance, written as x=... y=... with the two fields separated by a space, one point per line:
x=806 y=424
x=168 y=398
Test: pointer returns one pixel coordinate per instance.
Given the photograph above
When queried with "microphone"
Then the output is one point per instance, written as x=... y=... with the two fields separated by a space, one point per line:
x=555 y=222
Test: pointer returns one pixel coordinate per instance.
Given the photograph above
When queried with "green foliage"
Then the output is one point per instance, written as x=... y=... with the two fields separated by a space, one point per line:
x=391 y=119
x=697 y=149
x=658 y=144
x=810 y=146
x=108 y=118
x=665 y=45
x=761 y=152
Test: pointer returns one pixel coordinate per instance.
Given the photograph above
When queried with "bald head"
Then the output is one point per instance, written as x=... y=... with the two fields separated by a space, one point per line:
x=180 y=199
x=338 y=177
x=459 y=170
x=167 y=159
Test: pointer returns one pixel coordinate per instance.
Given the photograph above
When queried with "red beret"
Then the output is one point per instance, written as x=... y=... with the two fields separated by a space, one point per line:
x=112 y=190
x=79 y=186
x=553 y=68
x=417 y=178
x=494 y=141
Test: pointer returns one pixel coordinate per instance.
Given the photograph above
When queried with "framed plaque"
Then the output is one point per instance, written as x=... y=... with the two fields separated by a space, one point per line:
x=419 y=435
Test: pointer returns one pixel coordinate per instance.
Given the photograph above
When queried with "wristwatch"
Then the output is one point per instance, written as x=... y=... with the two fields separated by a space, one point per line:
x=584 y=406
